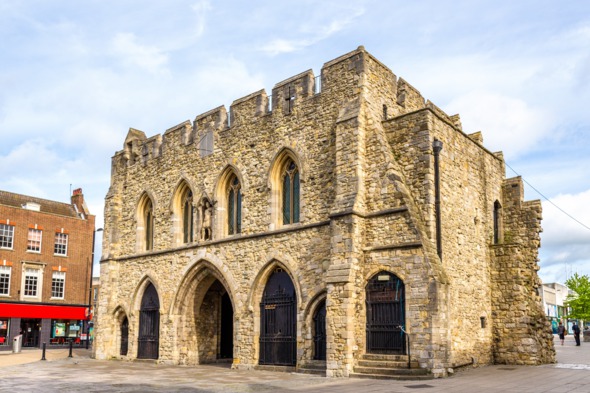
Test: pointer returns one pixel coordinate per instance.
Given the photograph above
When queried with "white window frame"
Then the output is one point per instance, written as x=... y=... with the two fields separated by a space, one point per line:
x=61 y=239
x=6 y=271
x=32 y=236
x=36 y=273
x=7 y=231
x=55 y=277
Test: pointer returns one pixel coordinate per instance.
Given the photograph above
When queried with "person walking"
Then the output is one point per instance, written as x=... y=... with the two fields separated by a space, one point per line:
x=561 y=332
x=576 y=330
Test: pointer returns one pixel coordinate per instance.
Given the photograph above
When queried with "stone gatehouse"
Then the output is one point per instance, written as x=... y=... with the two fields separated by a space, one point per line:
x=343 y=219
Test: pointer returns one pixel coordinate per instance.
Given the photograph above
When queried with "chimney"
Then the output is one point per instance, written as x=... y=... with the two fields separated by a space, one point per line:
x=78 y=202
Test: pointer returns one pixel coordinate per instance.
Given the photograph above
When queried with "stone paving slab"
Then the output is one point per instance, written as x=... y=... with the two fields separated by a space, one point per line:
x=82 y=374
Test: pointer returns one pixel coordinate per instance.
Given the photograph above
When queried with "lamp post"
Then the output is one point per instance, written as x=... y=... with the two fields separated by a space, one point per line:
x=90 y=287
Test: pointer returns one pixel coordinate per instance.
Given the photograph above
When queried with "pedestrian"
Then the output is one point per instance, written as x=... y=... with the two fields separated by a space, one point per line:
x=576 y=330
x=561 y=331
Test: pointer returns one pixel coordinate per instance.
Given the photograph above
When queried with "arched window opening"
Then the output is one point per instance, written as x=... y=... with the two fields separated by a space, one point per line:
x=188 y=213
x=148 y=224
x=290 y=193
x=497 y=222
x=234 y=207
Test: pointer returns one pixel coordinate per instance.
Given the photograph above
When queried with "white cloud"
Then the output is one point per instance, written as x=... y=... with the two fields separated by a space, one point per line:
x=565 y=243
x=312 y=33
x=201 y=8
x=508 y=124
x=132 y=53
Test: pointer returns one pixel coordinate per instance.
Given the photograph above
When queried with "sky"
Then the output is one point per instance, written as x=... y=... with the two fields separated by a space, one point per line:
x=75 y=76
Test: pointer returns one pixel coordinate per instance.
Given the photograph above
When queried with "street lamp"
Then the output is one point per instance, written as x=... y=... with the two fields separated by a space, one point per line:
x=90 y=287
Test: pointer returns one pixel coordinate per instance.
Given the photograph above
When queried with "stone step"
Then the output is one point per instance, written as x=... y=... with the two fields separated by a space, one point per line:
x=390 y=371
x=393 y=377
x=314 y=371
x=389 y=358
x=317 y=367
x=387 y=363
x=275 y=368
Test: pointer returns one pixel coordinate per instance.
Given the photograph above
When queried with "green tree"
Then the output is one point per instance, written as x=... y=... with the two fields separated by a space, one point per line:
x=579 y=302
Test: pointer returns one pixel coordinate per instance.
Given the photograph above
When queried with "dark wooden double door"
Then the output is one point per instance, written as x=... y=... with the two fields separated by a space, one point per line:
x=149 y=325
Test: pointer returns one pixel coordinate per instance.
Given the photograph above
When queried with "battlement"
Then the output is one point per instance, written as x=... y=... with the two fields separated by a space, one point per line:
x=338 y=83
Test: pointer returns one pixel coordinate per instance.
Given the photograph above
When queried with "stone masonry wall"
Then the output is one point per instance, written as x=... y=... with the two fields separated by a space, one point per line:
x=363 y=146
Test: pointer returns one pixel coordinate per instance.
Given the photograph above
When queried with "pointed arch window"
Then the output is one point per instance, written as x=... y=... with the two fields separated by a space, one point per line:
x=290 y=193
x=234 y=206
x=148 y=216
x=188 y=213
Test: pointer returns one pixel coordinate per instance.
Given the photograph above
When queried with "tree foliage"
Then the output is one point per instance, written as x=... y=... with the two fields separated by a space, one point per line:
x=579 y=302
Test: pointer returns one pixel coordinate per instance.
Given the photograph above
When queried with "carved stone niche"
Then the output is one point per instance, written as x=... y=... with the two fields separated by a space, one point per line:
x=206 y=209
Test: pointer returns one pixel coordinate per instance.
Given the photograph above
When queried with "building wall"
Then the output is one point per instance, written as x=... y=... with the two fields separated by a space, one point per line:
x=76 y=263
x=50 y=217
x=363 y=146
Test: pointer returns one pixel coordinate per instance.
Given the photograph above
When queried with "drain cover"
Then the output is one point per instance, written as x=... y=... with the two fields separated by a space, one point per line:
x=507 y=368
x=422 y=386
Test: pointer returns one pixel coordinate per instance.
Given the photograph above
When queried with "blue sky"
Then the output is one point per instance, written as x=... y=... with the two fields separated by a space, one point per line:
x=74 y=76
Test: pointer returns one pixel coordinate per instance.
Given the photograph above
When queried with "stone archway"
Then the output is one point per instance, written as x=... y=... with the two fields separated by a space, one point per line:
x=278 y=321
x=204 y=311
x=214 y=317
x=385 y=302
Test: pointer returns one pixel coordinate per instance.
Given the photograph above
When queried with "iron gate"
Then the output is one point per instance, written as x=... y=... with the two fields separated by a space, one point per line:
x=149 y=325
x=319 y=337
x=124 y=337
x=278 y=321
x=385 y=314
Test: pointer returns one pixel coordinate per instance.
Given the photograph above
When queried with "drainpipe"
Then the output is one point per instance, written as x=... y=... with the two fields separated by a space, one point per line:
x=436 y=148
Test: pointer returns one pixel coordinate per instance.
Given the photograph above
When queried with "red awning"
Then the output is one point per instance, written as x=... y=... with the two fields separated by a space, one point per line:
x=42 y=311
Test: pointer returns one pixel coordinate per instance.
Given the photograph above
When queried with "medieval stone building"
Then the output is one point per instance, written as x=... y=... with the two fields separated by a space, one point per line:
x=343 y=223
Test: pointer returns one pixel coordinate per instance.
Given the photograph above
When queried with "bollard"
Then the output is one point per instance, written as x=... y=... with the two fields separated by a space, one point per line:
x=71 y=345
x=43 y=353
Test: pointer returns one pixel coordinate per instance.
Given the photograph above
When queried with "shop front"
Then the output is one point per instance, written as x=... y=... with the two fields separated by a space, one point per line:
x=42 y=323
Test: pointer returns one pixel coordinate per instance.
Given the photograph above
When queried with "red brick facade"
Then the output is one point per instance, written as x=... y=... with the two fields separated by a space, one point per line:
x=73 y=221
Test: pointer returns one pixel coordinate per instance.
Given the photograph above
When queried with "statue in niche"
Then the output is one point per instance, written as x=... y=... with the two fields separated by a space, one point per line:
x=206 y=223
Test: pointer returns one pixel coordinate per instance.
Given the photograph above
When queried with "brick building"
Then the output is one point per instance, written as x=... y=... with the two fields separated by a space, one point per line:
x=344 y=224
x=45 y=269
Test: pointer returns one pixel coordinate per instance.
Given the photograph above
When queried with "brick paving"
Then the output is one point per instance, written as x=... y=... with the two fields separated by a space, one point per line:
x=25 y=372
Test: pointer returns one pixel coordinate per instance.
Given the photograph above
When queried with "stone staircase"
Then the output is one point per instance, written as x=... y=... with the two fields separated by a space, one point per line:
x=317 y=367
x=389 y=367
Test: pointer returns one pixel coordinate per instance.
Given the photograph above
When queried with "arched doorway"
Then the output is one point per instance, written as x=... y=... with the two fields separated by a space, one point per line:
x=385 y=301
x=278 y=321
x=226 y=341
x=124 y=337
x=214 y=319
x=319 y=332
x=149 y=325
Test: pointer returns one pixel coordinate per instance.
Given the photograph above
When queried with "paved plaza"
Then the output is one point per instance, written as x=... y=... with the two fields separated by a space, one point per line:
x=25 y=372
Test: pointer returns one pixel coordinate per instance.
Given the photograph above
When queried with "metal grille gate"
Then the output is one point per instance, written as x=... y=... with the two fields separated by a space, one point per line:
x=319 y=337
x=149 y=325
x=385 y=314
x=124 y=337
x=278 y=321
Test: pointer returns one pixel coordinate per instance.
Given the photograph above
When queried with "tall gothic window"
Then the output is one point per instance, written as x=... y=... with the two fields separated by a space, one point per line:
x=188 y=217
x=148 y=215
x=234 y=207
x=290 y=193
